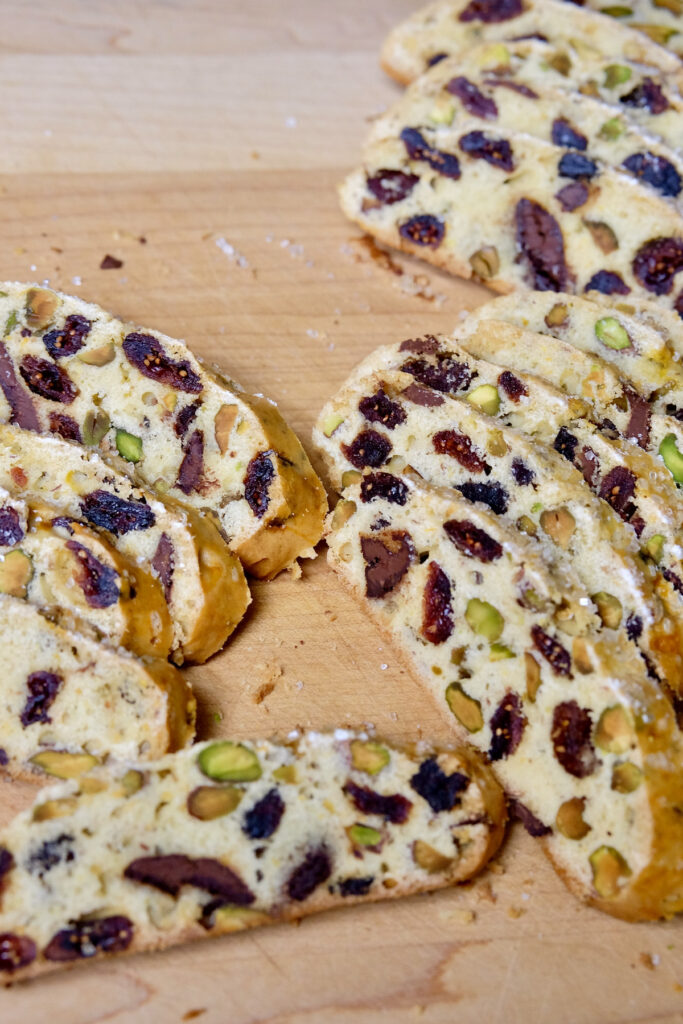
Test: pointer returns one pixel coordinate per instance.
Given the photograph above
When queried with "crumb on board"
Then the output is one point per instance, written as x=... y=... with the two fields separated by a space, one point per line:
x=233 y=254
x=110 y=262
x=459 y=916
x=650 y=960
x=515 y=912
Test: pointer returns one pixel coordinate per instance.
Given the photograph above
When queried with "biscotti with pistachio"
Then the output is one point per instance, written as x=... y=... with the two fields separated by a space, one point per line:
x=576 y=731
x=202 y=580
x=661 y=20
x=228 y=836
x=69 y=699
x=143 y=401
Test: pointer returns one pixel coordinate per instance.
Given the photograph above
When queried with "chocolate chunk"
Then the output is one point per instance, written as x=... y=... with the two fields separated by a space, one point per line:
x=552 y=650
x=491 y=11
x=163 y=564
x=423 y=229
x=391 y=186
x=441 y=791
x=497 y=152
x=67 y=340
x=355 y=886
x=16 y=951
x=315 y=869
x=191 y=473
x=437 y=611
x=608 y=282
x=459 y=447
x=657 y=262
x=418 y=148
x=512 y=386
x=148 y=356
x=387 y=560
x=50 y=853
x=470 y=540
x=169 y=872
x=422 y=396
x=532 y=824
x=521 y=473
x=368 y=448
x=444 y=374
x=572 y=196
x=589 y=464
x=110 y=262
x=384 y=485
x=394 y=808
x=656 y=171
x=472 y=99
x=88 y=938
x=617 y=488
x=186 y=417
x=575 y=165
x=65 y=426
x=634 y=627
x=99 y=582
x=43 y=688
x=264 y=817
x=11 y=530
x=507 y=727
x=48 y=380
x=420 y=346
x=571 y=738
x=492 y=494
x=518 y=87
x=564 y=134
x=565 y=443
x=23 y=410
x=639 y=421
x=379 y=408
x=107 y=510
x=541 y=246
x=647 y=95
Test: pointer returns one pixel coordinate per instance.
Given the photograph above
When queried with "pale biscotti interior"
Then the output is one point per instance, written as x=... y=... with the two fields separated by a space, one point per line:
x=229 y=836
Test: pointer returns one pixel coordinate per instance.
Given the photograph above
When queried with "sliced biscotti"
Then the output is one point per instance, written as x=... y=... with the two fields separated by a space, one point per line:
x=514 y=211
x=227 y=836
x=513 y=85
x=144 y=401
x=661 y=20
x=573 y=727
x=69 y=701
x=202 y=580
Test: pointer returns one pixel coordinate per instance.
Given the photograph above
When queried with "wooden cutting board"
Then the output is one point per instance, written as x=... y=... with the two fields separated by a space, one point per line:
x=200 y=144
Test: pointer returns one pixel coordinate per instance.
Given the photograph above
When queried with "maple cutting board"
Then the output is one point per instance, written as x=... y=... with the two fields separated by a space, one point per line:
x=199 y=143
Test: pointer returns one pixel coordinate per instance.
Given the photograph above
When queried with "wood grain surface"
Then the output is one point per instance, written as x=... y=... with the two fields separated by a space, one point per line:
x=200 y=144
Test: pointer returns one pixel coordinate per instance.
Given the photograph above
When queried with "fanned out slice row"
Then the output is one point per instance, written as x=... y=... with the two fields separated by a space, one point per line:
x=202 y=580
x=70 y=701
x=575 y=730
x=142 y=400
x=228 y=836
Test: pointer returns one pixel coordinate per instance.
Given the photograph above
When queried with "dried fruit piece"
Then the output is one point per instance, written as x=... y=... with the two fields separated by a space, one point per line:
x=465 y=708
x=576 y=165
x=494 y=495
x=491 y=11
x=609 y=609
x=16 y=571
x=387 y=560
x=107 y=510
x=569 y=819
x=473 y=100
x=436 y=787
x=368 y=448
x=472 y=541
x=42 y=688
x=626 y=777
x=423 y=229
x=16 y=951
x=148 y=356
x=422 y=396
x=648 y=95
x=512 y=386
x=571 y=738
x=486 y=398
x=497 y=152
x=552 y=650
x=368 y=756
x=226 y=761
x=379 y=408
x=418 y=148
x=532 y=824
x=429 y=859
x=70 y=338
x=11 y=529
x=87 y=938
x=541 y=245
x=608 y=282
x=609 y=867
x=364 y=836
x=485 y=262
x=62 y=764
x=655 y=170
x=483 y=619
x=191 y=473
x=459 y=447
x=572 y=196
x=563 y=133
x=617 y=488
x=610 y=332
x=507 y=727
x=673 y=459
x=657 y=262
x=394 y=807
x=383 y=485
x=445 y=375
x=262 y=820
x=210 y=802
x=389 y=186
x=315 y=869
x=48 y=380
x=559 y=524
x=614 y=731
x=65 y=427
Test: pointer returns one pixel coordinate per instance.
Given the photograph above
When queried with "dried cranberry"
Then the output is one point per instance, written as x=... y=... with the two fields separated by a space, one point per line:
x=315 y=869
x=552 y=650
x=437 y=611
x=108 y=511
x=445 y=374
x=67 y=340
x=497 y=152
x=639 y=421
x=565 y=443
x=657 y=262
x=647 y=95
x=379 y=408
x=394 y=808
x=16 y=951
x=163 y=564
x=504 y=83
x=186 y=417
x=169 y=872
x=459 y=447
x=512 y=386
x=391 y=186
x=521 y=473
x=99 y=582
x=571 y=738
x=565 y=134
x=147 y=355
x=634 y=627
x=491 y=11
x=43 y=688
x=438 y=789
x=532 y=824
x=420 y=346
x=507 y=727
x=264 y=817
x=48 y=380
x=575 y=165
x=65 y=426
x=617 y=488
x=656 y=171
x=492 y=494
x=608 y=282
x=11 y=530
x=472 y=541
x=369 y=448
x=87 y=938
x=191 y=473
x=541 y=246
x=418 y=148
x=387 y=560
x=384 y=485
x=589 y=464
x=423 y=229
x=572 y=196
x=419 y=395
x=472 y=99
x=51 y=853
x=23 y=410
x=355 y=886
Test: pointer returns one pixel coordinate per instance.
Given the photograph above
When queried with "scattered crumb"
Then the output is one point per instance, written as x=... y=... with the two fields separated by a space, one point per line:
x=110 y=262
x=678 y=987
x=231 y=252
x=263 y=692
x=290 y=122
x=311 y=332
x=142 y=240
x=515 y=912
x=273 y=673
x=485 y=892
x=460 y=916
x=384 y=666
x=649 y=960
x=33 y=268
x=77 y=280
x=496 y=868
x=218 y=716
x=255 y=155
x=193 y=1014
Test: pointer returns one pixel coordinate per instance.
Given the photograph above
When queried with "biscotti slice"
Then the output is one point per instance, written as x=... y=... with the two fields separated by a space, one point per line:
x=573 y=727
x=145 y=402
x=228 y=836
x=56 y=562
x=69 y=701
x=661 y=20
x=514 y=211
x=202 y=579
x=514 y=85
x=450 y=26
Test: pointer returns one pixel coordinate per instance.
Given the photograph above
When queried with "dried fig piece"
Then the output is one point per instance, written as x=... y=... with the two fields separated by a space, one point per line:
x=418 y=148
x=552 y=650
x=445 y=374
x=541 y=246
x=169 y=872
x=437 y=611
x=656 y=171
x=532 y=824
x=67 y=340
x=148 y=356
x=23 y=410
x=657 y=262
x=423 y=229
x=16 y=951
x=441 y=791
x=384 y=485
x=355 y=886
x=571 y=739
x=48 y=380
x=497 y=152
x=186 y=417
x=394 y=808
x=11 y=528
x=576 y=165
x=99 y=582
x=608 y=282
x=617 y=489
x=191 y=473
x=379 y=408
x=163 y=564
x=390 y=187
x=512 y=386
x=521 y=473
x=87 y=938
x=472 y=541
x=566 y=443
x=648 y=95
x=368 y=448
x=507 y=727
x=492 y=494
x=264 y=817
x=65 y=426
x=419 y=346
x=49 y=854
x=419 y=395
x=387 y=560
x=43 y=688
x=315 y=869
x=472 y=99
x=107 y=510
x=459 y=447
x=491 y=11
x=563 y=133
x=573 y=196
